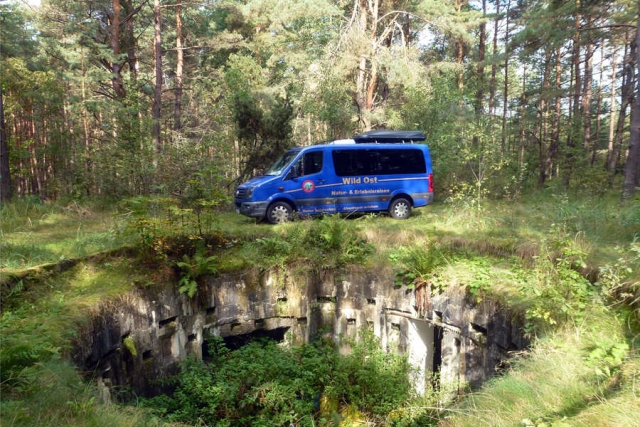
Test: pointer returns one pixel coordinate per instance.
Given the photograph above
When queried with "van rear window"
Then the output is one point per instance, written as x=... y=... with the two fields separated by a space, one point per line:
x=378 y=162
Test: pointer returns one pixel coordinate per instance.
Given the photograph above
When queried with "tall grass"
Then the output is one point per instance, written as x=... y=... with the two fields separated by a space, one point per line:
x=38 y=323
x=53 y=394
x=559 y=381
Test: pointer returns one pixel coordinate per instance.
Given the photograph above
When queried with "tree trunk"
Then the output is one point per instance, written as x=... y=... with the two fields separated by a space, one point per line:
x=575 y=122
x=157 y=98
x=596 y=140
x=88 y=181
x=505 y=95
x=555 y=138
x=494 y=66
x=460 y=48
x=523 y=112
x=116 y=66
x=5 y=171
x=177 y=110
x=626 y=97
x=362 y=84
x=543 y=108
x=587 y=91
x=480 y=68
x=631 y=169
x=130 y=39
x=612 y=107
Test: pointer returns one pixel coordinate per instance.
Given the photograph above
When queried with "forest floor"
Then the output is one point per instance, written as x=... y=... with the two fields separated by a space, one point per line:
x=570 y=263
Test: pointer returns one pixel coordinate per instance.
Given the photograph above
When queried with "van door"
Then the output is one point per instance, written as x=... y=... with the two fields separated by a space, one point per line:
x=304 y=183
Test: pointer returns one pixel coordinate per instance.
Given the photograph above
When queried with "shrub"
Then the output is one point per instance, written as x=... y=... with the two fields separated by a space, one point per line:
x=263 y=384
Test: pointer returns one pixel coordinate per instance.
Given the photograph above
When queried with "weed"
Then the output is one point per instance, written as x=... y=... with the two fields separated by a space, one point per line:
x=335 y=242
x=607 y=357
x=329 y=242
x=192 y=268
x=620 y=280
x=416 y=264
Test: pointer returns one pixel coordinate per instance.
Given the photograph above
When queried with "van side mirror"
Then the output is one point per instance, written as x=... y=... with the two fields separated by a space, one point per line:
x=293 y=172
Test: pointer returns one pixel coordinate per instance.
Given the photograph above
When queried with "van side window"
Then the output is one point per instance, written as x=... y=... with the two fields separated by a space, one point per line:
x=310 y=163
x=378 y=162
x=313 y=162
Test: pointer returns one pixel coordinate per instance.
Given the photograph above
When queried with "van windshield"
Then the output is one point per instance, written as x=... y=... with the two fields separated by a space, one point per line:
x=282 y=163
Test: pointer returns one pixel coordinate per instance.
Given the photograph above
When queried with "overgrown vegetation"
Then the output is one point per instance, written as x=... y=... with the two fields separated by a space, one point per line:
x=263 y=384
x=568 y=265
x=328 y=242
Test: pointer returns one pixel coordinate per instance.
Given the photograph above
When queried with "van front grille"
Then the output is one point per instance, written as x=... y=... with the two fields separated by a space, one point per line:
x=242 y=193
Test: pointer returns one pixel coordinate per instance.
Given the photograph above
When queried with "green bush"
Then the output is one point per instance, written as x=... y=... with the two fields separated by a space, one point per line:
x=264 y=384
x=328 y=242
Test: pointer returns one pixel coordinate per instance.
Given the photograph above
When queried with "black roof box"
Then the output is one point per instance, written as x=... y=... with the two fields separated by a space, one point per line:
x=390 y=136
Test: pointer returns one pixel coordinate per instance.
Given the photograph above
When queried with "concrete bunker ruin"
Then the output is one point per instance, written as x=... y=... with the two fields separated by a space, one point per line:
x=144 y=336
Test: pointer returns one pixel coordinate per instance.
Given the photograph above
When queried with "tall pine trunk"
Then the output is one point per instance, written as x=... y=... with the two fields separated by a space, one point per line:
x=587 y=91
x=625 y=100
x=575 y=119
x=157 y=98
x=554 y=144
x=177 y=109
x=631 y=169
x=5 y=172
x=116 y=66
x=479 y=107
x=612 y=107
x=523 y=121
x=596 y=139
x=505 y=101
x=460 y=48
x=544 y=111
x=494 y=65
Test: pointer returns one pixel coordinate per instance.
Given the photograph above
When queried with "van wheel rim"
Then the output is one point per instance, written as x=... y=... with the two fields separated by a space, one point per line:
x=401 y=210
x=280 y=214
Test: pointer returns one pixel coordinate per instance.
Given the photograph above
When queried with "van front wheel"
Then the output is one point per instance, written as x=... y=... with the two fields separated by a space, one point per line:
x=279 y=212
x=400 y=208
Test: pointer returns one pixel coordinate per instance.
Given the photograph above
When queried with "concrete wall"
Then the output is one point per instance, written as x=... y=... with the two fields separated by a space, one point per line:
x=143 y=337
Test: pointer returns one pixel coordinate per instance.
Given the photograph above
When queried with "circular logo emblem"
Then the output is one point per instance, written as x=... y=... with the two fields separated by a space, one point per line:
x=308 y=186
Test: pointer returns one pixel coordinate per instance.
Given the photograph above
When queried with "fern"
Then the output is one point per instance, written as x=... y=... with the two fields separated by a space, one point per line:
x=191 y=268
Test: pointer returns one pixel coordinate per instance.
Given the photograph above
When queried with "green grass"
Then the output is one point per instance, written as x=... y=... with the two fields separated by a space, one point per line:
x=32 y=234
x=504 y=249
x=52 y=394
x=38 y=324
x=41 y=318
x=559 y=381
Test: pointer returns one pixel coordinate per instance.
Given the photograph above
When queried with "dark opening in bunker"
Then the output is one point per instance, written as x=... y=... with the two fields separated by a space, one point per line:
x=165 y=322
x=437 y=348
x=237 y=341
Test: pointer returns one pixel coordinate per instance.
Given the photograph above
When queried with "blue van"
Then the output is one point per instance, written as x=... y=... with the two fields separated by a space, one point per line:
x=374 y=171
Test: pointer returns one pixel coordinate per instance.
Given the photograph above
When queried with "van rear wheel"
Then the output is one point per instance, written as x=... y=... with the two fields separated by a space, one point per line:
x=279 y=212
x=400 y=208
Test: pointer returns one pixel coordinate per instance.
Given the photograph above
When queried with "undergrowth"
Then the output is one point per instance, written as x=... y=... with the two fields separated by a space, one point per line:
x=328 y=242
x=568 y=264
x=263 y=384
x=572 y=371
x=52 y=394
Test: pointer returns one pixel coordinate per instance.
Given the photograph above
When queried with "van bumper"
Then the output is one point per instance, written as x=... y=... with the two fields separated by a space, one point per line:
x=252 y=209
x=422 y=199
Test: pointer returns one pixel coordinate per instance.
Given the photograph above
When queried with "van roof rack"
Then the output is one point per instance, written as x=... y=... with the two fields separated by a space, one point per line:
x=390 y=136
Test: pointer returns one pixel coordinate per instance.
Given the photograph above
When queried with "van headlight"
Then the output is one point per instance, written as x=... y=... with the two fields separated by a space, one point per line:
x=244 y=193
